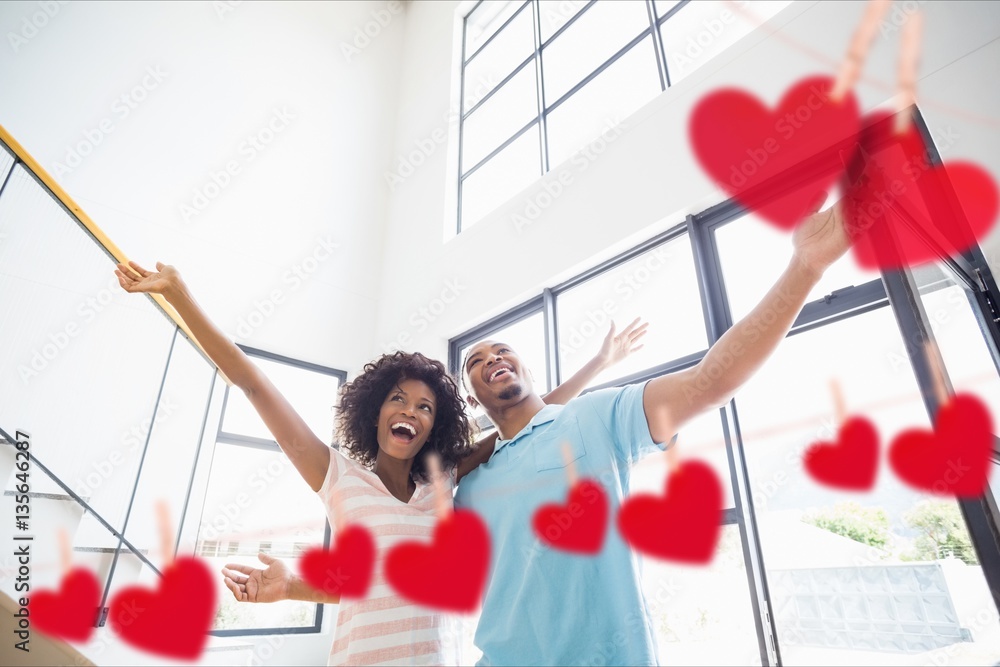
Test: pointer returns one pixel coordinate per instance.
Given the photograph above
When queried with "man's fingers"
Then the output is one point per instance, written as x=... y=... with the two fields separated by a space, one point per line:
x=266 y=558
x=815 y=204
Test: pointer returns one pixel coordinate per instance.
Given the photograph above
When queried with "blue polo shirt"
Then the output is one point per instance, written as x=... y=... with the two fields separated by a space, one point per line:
x=548 y=607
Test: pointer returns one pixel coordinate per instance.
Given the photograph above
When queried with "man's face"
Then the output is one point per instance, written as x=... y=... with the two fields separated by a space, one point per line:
x=495 y=376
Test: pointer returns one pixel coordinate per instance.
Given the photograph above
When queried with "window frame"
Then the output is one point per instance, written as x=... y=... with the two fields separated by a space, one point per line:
x=238 y=440
x=895 y=289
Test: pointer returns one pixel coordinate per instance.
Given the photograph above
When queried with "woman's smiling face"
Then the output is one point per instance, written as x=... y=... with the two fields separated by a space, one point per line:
x=406 y=419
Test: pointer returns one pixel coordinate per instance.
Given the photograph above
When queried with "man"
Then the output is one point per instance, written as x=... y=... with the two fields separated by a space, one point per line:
x=546 y=607
x=543 y=606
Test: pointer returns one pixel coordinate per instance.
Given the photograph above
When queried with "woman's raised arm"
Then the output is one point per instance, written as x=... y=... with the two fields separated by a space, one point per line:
x=309 y=454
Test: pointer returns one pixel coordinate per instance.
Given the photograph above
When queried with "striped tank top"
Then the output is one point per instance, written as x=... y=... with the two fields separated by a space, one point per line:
x=384 y=628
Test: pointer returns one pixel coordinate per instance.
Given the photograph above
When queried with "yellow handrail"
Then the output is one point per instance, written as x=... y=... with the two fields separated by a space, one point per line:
x=77 y=212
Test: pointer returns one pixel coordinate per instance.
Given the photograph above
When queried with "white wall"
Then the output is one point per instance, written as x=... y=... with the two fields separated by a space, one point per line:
x=222 y=71
x=647 y=179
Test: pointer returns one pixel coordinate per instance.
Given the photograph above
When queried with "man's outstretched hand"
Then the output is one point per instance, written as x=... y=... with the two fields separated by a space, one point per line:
x=821 y=239
x=249 y=584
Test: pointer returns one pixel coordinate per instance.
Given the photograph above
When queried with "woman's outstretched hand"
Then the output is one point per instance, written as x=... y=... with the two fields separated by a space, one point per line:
x=616 y=348
x=163 y=281
x=249 y=584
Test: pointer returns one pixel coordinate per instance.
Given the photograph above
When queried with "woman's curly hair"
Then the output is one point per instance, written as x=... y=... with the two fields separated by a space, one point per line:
x=361 y=401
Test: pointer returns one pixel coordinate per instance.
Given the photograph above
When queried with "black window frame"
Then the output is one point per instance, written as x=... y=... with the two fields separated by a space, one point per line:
x=896 y=290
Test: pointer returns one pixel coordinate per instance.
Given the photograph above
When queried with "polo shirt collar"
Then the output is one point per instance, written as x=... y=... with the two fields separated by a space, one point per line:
x=543 y=416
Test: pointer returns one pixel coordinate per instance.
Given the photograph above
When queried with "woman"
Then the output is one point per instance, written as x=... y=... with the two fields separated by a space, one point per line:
x=402 y=408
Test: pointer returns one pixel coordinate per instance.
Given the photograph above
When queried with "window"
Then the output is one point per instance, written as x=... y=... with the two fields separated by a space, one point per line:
x=912 y=583
x=525 y=335
x=542 y=78
x=256 y=500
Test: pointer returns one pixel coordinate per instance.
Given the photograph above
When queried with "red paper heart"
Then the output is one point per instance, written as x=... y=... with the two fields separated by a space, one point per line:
x=577 y=526
x=450 y=572
x=71 y=612
x=741 y=144
x=345 y=570
x=172 y=620
x=953 y=459
x=683 y=525
x=954 y=203
x=850 y=462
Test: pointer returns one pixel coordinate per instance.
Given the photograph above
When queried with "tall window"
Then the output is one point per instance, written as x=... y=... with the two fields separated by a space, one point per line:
x=542 y=78
x=256 y=500
x=803 y=573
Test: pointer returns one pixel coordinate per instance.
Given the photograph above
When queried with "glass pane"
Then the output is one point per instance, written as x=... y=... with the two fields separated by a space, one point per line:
x=311 y=393
x=62 y=340
x=250 y=497
x=511 y=170
x=506 y=52
x=856 y=578
x=6 y=162
x=967 y=359
x=173 y=445
x=754 y=254
x=615 y=94
x=660 y=286
x=664 y=6
x=701 y=30
x=554 y=14
x=702 y=615
x=602 y=30
x=499 y=118
x=701 y=439
x=485 y=20
x=526 y=338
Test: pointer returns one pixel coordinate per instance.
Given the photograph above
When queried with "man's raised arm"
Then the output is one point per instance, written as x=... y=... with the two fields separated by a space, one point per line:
x=672 y=400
